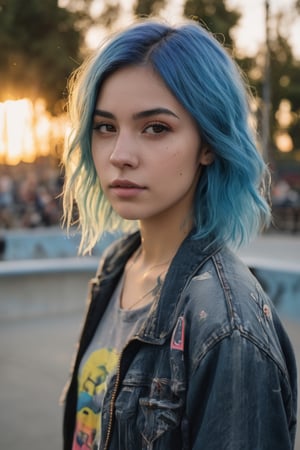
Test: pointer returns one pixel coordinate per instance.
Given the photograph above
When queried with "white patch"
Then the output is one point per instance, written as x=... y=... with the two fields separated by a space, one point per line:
x=203 y=276
x=203 y=314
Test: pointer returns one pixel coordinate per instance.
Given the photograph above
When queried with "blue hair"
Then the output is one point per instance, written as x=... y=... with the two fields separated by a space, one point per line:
x=229 y=205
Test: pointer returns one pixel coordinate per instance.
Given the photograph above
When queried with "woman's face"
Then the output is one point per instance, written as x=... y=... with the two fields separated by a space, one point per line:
x=146 y=147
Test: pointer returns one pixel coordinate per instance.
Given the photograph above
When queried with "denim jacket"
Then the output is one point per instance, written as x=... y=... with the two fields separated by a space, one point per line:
x=211 y=368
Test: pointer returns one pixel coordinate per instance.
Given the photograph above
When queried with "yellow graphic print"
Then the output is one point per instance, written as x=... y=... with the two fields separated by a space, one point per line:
x=92 y=387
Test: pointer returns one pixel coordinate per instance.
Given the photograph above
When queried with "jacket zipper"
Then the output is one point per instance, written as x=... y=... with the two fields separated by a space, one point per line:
x=114 y=395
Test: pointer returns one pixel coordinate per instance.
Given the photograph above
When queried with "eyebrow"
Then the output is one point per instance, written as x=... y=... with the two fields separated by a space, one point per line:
x=139 y=115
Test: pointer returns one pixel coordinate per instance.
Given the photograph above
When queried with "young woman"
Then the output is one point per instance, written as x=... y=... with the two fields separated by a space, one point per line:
x=181 y=348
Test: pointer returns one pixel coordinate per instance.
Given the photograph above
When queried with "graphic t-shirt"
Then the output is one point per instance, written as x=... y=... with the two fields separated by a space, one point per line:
x=97 y=366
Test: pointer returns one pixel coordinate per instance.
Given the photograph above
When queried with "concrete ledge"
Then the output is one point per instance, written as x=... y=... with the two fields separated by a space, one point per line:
x=32 y=288
x=35 y=288
x=41 y=294
x=272 y=264
x=48 y=266
x=42 y=282
x=45 y=243
x=90 y=263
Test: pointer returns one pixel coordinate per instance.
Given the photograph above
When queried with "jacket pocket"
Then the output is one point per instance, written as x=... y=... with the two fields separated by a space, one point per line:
x=126 y=413
x=147 y=413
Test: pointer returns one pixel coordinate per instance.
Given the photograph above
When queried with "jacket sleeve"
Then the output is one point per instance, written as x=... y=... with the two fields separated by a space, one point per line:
x=239 y=399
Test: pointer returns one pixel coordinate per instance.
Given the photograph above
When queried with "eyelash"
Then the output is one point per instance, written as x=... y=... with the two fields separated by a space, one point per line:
x=97 y=127
x=110 y=128
x=163 y=127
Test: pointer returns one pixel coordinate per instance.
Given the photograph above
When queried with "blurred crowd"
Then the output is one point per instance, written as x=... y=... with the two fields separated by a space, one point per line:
x=30 y=195
x=285 y=206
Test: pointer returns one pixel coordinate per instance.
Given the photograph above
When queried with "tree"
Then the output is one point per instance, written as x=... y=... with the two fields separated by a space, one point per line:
x=146 y=8
x=284 y=89
x=285 y=79
x=40 y=44
x=91 y=13
x=215 y=16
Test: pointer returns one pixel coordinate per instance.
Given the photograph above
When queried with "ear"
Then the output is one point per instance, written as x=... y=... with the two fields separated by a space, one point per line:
x=206 y=156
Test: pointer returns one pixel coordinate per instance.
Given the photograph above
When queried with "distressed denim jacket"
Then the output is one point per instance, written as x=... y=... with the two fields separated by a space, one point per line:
x=211 y=368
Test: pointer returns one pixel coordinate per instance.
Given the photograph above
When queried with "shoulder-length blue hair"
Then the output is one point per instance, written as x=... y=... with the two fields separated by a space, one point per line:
x=229 y=205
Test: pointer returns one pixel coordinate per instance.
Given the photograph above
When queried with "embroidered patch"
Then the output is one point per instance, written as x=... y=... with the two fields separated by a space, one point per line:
x=177 y=342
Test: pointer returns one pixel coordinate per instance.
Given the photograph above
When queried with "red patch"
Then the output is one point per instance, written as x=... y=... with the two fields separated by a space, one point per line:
x=177 y=342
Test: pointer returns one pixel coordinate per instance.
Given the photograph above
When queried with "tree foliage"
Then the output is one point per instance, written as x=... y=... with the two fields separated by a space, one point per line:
x=284 y=84
x=147 y=8
x=285 y=87
x=214 y=15
x=39 y=45
x=284 y=68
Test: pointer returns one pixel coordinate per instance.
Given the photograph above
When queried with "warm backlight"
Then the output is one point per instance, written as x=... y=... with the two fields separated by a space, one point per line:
x=27 y=131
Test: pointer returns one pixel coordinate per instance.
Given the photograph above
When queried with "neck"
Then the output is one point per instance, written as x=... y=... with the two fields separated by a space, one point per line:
x=146 y=269
x=161 y=239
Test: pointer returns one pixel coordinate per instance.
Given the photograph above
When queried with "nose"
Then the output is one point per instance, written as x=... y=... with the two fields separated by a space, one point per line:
x=124 y=153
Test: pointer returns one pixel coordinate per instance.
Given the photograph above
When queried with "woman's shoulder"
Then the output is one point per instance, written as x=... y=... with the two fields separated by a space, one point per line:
x=225 y=298
x=224 y=284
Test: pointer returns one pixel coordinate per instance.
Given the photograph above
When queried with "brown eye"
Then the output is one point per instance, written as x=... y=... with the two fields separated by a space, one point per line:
x=104 y=128
x=156 y=128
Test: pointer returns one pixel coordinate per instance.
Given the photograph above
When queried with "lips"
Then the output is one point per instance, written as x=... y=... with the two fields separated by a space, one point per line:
x=126 y=190
x=125 y=184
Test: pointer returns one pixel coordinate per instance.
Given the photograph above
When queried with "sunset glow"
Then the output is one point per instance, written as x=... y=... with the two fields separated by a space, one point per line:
x=27 y=131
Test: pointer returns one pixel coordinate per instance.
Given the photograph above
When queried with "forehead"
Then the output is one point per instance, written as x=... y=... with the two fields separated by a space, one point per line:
x=135 y=84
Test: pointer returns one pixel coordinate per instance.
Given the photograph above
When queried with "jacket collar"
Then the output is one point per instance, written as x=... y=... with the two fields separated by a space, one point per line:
x=191 y=255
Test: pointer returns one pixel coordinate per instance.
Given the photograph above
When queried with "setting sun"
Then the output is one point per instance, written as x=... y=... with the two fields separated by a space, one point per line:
x=27 y=131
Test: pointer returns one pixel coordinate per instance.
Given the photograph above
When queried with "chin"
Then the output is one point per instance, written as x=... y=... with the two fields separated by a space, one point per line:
x=126 y=215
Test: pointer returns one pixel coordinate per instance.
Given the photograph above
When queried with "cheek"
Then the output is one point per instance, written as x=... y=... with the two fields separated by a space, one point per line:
x=186 y=167
x=97 y=156
x=97 y=150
